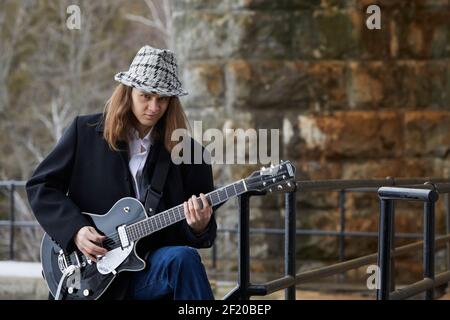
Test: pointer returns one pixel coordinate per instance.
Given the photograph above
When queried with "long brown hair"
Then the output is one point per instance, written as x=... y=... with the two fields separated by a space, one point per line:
x=119 y=119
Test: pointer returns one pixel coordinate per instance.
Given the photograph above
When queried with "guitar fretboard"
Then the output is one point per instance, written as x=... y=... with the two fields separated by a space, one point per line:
x=168 y=217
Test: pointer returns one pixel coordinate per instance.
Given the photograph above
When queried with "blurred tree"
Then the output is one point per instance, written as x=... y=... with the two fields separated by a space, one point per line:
x=160 y=22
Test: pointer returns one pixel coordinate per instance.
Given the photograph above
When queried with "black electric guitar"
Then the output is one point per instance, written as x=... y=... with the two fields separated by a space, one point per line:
x=70 y=275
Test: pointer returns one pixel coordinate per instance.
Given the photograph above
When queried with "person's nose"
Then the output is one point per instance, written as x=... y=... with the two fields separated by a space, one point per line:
x=153 y=104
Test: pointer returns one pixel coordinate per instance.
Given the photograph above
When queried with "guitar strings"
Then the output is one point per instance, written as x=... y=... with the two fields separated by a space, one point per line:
x=113 y=238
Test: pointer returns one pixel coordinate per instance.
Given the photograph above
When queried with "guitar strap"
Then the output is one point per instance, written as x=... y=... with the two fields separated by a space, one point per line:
x=154 y=191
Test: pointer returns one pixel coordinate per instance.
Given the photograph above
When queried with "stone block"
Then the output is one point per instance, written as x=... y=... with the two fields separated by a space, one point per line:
x=265 y=83
x=342 y=135
x=324 y=35
x=205 y=84
x=427 y=133
x=259 y=34
x=188 y=5
x=201 y=35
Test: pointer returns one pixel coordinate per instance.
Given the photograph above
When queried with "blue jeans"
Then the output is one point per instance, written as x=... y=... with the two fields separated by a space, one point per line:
x=176 y=272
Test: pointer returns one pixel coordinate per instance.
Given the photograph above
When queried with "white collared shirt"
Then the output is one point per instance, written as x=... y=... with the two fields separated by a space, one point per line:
x=138 y=152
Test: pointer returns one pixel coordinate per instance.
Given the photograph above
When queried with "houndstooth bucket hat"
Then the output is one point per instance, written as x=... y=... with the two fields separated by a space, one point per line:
x=153 y=71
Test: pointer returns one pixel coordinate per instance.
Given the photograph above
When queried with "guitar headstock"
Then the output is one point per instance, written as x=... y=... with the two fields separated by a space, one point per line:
x=274 y=178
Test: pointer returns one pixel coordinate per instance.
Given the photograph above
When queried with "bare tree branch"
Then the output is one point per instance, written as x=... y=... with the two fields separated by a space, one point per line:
x=159 y=21
x=147 y=22
x=29 y=144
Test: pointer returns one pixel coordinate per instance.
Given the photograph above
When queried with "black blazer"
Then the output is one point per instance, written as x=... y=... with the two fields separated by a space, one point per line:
x=82 y=174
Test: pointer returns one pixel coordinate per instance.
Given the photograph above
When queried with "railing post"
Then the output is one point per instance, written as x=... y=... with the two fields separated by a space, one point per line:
x=428 y=246
x=384 y=249
x=342 y=198
x=289 y=242
x=11 y=220
x=244 y=246
x=392 y=270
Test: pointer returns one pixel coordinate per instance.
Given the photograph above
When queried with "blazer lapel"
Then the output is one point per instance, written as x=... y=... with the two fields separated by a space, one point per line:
x=123 y=154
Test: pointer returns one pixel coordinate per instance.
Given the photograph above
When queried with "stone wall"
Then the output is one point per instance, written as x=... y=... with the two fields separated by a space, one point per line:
x=350 y=102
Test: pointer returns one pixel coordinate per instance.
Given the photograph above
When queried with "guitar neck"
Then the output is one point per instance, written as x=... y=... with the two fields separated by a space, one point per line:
x=168 y=217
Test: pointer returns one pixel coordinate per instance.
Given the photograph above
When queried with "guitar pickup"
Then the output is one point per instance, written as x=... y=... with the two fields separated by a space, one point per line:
x=124 y=242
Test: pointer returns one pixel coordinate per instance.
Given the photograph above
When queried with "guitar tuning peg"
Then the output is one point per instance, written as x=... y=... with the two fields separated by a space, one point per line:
x=270 y=189
x=280 y=187
x=289 y=184
x=264 y=183
x=284 y=176
x=274 y=179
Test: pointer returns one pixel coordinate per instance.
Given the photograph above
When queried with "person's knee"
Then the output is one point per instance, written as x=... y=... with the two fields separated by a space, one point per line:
x=184 y=255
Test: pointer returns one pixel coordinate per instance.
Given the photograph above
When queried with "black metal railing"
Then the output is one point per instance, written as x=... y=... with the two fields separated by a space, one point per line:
x=245 y=289
x=428 y=194
x=341 y=186
x=11 y=223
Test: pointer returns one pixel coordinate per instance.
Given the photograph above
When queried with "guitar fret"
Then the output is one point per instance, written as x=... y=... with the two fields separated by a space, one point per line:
x=161 y=219
x=235 y=191
x=223 y=194
x=180 y=212
x=214 y=194
x=231 y=191
x=137 y=230
x=161 y=225
x=130 y=233
x=146 y=228
x=240 y=187
x=152 y=223
x=155 y=223
x=141 y=231
x=218 y=195
x=208 y=198
x=158 y=223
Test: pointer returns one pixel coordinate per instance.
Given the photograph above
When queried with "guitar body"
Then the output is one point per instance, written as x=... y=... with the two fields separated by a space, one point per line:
x=90 y=280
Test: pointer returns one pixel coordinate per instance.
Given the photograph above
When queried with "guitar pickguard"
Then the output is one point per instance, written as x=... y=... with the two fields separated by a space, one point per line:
x=114 y=258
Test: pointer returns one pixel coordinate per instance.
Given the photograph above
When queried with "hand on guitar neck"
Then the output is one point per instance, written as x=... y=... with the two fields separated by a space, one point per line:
x=197 y=215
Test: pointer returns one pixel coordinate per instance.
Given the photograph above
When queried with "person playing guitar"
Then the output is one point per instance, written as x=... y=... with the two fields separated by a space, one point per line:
x=104 y=157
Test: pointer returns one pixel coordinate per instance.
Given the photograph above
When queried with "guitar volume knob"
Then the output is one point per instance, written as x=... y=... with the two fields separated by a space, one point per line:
x=86 y=292
x=72 y=290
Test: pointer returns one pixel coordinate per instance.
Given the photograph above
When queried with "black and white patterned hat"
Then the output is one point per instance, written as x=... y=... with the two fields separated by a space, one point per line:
x=153 y=71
